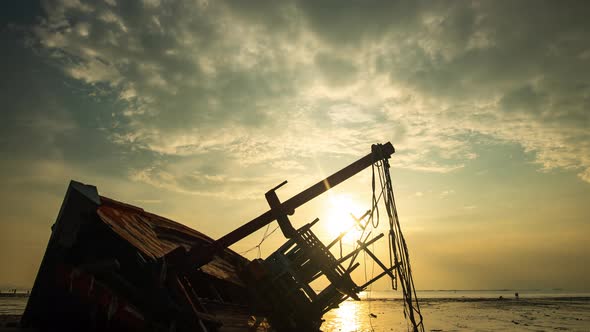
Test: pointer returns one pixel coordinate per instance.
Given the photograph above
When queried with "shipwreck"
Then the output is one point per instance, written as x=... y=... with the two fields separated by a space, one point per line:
x=112 y=266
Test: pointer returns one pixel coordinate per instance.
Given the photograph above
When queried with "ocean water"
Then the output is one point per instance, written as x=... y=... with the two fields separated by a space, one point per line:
x=477 y=294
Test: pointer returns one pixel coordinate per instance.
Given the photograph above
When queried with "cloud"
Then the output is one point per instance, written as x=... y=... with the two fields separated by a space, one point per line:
x=288 y=81
x=180 y=179
x=524 y=99
x=446 y=193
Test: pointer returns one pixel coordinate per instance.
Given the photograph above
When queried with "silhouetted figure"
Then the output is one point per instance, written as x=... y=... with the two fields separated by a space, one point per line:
x=516 y=295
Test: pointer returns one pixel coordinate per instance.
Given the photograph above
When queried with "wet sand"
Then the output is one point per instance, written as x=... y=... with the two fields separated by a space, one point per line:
x=457 y=314
x=543 y=314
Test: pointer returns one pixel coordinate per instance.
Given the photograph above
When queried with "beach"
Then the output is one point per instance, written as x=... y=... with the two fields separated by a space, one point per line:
x=456 y=314
x=442 y=312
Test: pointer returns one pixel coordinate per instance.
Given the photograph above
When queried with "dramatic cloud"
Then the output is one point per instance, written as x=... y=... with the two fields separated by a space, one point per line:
x=259 y=86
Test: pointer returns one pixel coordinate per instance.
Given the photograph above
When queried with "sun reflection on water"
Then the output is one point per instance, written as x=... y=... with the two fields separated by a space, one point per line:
x=355 y=316
x=347 y=316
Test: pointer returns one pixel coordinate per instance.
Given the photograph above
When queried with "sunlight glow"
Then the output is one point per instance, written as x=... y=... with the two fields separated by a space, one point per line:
x=339 y=218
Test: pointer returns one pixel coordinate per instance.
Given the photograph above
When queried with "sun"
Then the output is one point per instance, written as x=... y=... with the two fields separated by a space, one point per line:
x=339 y=218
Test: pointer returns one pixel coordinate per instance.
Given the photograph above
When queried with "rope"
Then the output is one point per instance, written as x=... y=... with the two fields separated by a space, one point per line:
x=369 y=293
x=398 y=249
x=265 y=236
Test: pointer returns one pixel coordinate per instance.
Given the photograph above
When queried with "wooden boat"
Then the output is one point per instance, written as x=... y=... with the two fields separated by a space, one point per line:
x=114 y=266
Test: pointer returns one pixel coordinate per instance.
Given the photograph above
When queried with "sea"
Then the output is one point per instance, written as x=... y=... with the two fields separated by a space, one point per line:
x=446 y=310
x=477 y=294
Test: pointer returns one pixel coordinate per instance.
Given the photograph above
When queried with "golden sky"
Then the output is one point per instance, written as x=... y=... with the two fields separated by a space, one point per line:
x=194 y=109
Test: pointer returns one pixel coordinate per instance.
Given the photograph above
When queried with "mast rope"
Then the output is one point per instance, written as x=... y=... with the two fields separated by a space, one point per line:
x=398 y=249
x=265 y=236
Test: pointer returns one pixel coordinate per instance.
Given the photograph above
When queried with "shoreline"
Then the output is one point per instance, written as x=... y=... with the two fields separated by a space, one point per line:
x=584 y=298
x=446 y=314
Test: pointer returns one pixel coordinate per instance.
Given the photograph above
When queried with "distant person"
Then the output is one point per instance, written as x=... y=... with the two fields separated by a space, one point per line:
x=516 y=295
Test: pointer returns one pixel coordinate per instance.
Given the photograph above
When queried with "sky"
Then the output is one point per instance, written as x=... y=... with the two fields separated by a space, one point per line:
x=194 y=109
